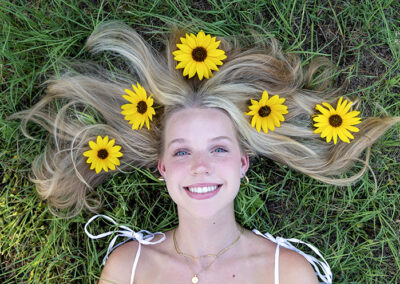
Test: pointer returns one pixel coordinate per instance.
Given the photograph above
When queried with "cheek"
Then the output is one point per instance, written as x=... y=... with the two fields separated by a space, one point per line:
x=231 y=165
x=173 y=179
x=172 y=166
x=173 y=171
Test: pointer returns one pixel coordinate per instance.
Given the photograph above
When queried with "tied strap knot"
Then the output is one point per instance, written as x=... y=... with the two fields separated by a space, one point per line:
x=142 y=237
x=281 y=241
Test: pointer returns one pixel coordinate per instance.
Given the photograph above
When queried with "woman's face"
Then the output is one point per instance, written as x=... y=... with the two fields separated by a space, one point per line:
x=202 y=162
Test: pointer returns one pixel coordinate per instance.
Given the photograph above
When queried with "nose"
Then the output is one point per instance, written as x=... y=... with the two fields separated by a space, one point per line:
x=200 y=164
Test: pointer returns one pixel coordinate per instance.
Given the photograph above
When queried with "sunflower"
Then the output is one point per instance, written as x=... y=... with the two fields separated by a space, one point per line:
x=198 y=54
x=267 y=113
x=332 y=123
x=140 y=109
x=103 y=154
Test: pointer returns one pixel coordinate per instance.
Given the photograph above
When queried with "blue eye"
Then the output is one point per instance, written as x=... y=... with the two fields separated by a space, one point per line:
x=220 y=150
x=180 y=153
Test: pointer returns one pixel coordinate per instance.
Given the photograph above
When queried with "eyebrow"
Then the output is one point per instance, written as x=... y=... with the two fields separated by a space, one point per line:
x=182 y=140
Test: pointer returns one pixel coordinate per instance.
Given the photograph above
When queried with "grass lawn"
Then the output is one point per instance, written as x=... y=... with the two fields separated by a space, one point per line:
x=356 y=227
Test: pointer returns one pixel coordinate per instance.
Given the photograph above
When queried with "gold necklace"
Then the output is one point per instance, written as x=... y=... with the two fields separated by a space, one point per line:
x=195 y=278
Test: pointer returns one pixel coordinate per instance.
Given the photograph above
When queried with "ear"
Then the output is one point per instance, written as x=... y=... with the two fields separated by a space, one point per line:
x=161 y=167
x=244 y=164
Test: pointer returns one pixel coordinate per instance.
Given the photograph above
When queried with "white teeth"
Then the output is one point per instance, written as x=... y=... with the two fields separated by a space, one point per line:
x=203 y=189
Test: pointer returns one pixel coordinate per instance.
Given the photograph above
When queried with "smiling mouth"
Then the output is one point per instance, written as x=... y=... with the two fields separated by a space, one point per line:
x=203 y=189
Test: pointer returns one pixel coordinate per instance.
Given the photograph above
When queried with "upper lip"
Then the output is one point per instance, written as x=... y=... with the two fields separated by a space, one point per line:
x=203 y=184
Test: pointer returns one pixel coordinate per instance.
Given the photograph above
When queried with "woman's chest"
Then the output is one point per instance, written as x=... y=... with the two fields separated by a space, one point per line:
x=174 y=271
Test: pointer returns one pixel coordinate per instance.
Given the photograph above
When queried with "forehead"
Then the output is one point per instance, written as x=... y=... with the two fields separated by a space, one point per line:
x=195 y=123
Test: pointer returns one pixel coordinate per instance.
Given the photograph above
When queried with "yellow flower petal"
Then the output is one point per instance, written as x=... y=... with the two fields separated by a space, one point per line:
x=275 y=120
x=340 y=106
x=214 y=44
x=320 y=118
x=182 y=64
x=342 y=135
x=184 y=48
x=187 y=68
x=347 y=134
x=253 y=121
x=322 y=110
x=191 y=42
x=347 y=108
x=207 y=40
x=104 y=166
x=182 y=57
x=200 y=37
x=111 y=143
x=271 y=125
x=215 y=52
x=352 y=114
x=192 y=70
x=211 y=65
x=329 y=107
x=258 y=125
x=327 y=132
x=92 y=145
x=318 y=130
x=200 y=70
x=321 y=124
x=254 y=102
x=335 y=135
x=98 y=168
x=352 y=128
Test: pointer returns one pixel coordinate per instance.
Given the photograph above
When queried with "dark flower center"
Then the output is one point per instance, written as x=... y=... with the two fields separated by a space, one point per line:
x=142 y=107
x=264 y=111
x=199 y=54
x=102 y=154
x=335 y=120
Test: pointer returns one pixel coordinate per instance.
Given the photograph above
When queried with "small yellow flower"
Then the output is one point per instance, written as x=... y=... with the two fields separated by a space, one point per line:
x=267 y=113
x=199 y=54
x=103 y=154
x=140 y=109
x=332 y=123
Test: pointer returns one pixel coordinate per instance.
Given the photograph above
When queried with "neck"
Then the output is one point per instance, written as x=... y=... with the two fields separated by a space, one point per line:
x=200 y=236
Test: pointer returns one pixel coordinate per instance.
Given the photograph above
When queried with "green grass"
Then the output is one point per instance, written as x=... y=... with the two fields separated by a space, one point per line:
x=355 y=227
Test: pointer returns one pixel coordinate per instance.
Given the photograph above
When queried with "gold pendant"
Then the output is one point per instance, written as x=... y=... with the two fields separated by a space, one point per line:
x=195 y=279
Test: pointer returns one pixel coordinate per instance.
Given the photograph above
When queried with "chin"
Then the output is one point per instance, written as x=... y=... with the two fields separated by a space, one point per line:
x=209 y=211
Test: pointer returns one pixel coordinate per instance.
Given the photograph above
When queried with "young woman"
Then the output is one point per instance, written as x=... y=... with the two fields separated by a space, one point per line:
x=198 y=126
x=202 y=153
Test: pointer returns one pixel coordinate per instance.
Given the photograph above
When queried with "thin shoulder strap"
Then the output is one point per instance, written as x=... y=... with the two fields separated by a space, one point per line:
x=325 y=276
x=143 y=237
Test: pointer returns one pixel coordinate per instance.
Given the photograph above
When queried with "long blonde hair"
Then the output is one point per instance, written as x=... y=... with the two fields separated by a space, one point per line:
x=61 y=173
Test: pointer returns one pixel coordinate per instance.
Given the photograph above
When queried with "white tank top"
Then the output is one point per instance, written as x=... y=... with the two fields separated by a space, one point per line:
x=143 y=237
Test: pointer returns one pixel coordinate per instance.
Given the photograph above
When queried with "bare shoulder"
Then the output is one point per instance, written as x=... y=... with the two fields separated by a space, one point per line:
x=118 y=267
x=294 y=268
